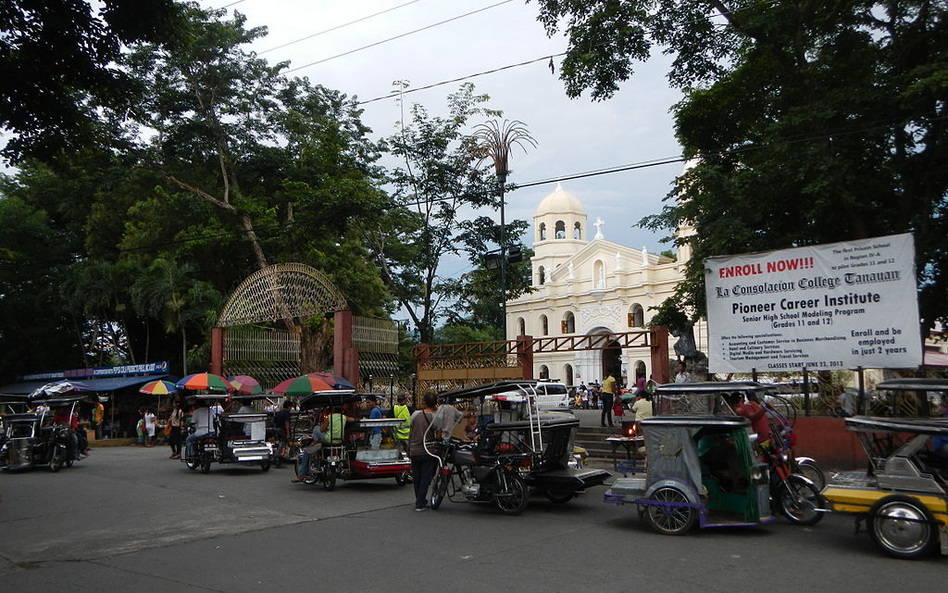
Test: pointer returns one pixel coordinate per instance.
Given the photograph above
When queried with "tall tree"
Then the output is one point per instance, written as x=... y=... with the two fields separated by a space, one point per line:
x=439 y=178
x=58 y=61
x=814 y=122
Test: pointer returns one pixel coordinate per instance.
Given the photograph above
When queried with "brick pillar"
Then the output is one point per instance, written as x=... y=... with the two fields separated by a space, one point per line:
x=661 y=372
x=345 y=361
x=217 y=351
x=525 y=355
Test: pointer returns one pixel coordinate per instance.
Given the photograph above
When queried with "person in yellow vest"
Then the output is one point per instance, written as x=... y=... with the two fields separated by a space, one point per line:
x=401 y=410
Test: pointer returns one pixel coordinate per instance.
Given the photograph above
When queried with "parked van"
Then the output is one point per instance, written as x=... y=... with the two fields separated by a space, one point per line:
x=552 y=395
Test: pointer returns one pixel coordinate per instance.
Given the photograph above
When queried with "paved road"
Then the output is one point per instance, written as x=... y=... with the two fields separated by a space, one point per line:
x=130 y=519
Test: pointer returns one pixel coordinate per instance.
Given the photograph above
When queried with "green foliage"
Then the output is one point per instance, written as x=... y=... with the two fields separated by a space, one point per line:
x=439 y=177
x=812 y=122
x=58 y=67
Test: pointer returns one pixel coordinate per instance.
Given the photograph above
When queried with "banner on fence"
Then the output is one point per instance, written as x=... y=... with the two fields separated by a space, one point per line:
x=824 y=307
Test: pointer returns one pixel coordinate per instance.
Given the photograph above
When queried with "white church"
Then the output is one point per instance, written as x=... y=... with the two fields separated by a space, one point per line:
x=588 y=286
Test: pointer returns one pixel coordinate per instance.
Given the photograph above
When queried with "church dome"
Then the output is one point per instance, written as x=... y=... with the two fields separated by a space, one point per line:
x=560 y=202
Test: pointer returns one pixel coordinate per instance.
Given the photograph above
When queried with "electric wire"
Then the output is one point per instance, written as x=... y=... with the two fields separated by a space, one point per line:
x=395 y=94
x=337 y=27
x=377 y=43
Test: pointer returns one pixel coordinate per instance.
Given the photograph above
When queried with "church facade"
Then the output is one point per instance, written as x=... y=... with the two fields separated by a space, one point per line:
x=589 y=286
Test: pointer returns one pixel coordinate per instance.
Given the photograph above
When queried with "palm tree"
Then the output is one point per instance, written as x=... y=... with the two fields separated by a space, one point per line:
x=495 y=140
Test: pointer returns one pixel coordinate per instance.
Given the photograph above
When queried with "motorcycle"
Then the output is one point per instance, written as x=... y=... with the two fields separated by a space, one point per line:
x=322 y=468
x=792 y=494
x=475 y=472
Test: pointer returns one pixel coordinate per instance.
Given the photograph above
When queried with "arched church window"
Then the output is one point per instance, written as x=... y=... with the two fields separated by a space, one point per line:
x=544 y=372
x=522 y=326
x=568 y=375
x=541 y=276
x=577 y=231
x=568 y=326
x=560 y=229
x=599 y=274
x=636 y=316
x=543 y=231
x=544 y=325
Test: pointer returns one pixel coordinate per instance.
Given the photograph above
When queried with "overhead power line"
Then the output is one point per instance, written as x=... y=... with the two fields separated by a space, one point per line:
x=337 y=27
x=453 y=80
x=425 y=28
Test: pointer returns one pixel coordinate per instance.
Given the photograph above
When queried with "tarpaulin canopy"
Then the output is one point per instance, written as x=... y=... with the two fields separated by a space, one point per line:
x=98 y=385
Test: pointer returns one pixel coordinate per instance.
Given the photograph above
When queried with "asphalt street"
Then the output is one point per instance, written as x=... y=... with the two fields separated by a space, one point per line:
x=131 y=519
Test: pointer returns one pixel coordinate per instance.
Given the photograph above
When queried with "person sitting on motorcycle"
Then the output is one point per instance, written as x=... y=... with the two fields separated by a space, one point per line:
x=755 y=412
x=203 y=420
x=64 y=417
x=328 y=432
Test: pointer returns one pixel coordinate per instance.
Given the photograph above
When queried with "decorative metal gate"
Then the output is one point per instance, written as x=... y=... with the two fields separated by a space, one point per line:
x=247 y=342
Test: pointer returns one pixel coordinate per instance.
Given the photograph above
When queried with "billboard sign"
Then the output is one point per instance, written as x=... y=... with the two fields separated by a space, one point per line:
x=824 y=307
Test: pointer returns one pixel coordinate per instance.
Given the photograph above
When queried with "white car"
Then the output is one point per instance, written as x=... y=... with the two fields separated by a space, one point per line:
x=550 y=395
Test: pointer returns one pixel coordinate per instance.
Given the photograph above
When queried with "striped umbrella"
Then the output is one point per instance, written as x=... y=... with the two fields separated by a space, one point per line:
x=245 y=385
x=205 y=382
x=159 y=388
x=300 y=386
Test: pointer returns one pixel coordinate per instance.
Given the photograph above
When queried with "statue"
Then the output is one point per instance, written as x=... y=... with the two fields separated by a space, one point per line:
x=598 y=224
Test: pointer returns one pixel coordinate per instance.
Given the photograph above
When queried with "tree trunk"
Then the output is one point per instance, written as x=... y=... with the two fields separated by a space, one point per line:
x=314 y=355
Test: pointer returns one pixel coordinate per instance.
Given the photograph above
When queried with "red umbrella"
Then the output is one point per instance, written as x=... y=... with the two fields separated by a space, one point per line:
x=205 y=382
x=245 y=385
x=300 y=386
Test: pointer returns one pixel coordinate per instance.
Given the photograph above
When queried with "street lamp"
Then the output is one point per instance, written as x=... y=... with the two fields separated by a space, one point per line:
x=496 y=140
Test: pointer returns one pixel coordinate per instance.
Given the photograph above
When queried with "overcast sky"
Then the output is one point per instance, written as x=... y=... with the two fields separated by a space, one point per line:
x=574 y=136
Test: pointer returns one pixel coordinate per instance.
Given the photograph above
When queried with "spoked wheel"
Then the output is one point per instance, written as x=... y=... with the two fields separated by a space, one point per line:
x=667 y=516
x=560 y=496
x=809 y=469
x=439 y=487
x=56 y=459
x=329 y=478
x=903 y=527
x=800 y=501
x=511 y=498
x=265 y=465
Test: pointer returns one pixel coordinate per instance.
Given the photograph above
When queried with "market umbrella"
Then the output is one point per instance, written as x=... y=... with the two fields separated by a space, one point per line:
x=245 y=384
x=159 y=388
x=336 y=381
x=58 y=388
x=205 y=382
x=300 y=386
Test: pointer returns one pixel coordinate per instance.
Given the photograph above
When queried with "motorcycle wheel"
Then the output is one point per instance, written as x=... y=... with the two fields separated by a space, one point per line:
x=511 y=497
x=439 y=487
x=206 y=464
x=329 y=478
x=670 y=520
x=800 y=501
x=903 y=527
x=265 y=465
x=809 y=469
x=69 y=462
x=56 y=459
x=401 y=479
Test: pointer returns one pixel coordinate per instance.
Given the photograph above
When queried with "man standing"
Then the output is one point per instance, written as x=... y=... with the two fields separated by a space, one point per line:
x=401 y=410
x=608 y=393
x=97 y=413
x=375 y=433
